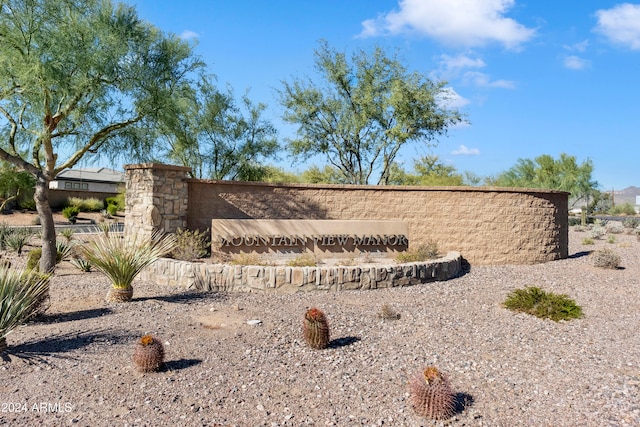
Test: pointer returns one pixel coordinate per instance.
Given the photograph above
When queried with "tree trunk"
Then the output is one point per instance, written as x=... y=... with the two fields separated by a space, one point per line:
x=41 y=196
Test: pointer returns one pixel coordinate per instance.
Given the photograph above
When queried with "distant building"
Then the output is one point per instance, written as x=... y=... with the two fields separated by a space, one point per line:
x=84 y=183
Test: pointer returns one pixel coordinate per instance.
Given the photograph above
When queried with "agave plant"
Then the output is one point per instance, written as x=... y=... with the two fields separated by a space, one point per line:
x=21 y=293
x=121 y=259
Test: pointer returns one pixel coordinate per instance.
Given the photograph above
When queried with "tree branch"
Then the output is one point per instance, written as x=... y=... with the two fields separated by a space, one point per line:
x=96 y=140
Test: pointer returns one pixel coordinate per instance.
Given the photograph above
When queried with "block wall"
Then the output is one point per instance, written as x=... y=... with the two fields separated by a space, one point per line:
x=487 y=225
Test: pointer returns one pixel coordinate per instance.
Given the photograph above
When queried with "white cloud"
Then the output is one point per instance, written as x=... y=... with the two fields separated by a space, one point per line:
x=578 y=47
x=620 y=24
x=453 y=22
x=576 y=63
x=451 y=66
x=463 y=150
x=449 y=98
x=476 y=78
x=188 y=34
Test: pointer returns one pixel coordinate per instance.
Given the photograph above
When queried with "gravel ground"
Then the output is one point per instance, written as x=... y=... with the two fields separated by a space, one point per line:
x=508 y=369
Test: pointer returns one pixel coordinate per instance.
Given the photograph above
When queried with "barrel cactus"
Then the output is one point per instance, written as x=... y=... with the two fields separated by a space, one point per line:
x=431 y=394
x=149 y=354
x=316 y=329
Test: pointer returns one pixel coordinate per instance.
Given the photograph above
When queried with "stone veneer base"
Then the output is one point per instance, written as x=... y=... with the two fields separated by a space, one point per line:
x=283 y=279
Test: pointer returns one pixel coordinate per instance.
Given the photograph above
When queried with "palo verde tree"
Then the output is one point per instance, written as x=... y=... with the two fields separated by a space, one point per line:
x=363 y=112
x=219 y=139
x=544 y=171
x=79 y=78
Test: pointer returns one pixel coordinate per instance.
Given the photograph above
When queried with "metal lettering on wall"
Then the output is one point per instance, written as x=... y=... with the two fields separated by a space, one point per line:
x=327 y=240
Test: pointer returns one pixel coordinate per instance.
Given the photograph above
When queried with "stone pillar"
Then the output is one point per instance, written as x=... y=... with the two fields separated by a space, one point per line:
x=156 y=198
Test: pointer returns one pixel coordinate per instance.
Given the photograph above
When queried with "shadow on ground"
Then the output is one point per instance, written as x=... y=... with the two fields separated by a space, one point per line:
x=579 y=254
x=343 y=342
x=175 y=365
x=57 y=346
x=462 y=401
x=73 y=315
x=185 y=297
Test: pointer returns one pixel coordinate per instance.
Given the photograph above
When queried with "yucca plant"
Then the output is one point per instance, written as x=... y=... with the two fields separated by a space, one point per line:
x=81 y=264
x=121 y=259
x=21 y=294
x=67 y=233
x=18 y=238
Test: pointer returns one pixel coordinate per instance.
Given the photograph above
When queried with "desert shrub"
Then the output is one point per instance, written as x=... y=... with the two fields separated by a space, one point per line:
x=611 y=239
x=191 y=244
x=631 y=222
x=597 y=231
x=70 y=212
x=587 y=241
x=545 y=305
x=247 y=259
x=303 y=260
x=606 y=258
x=579 y=228
x=422 y=253
x=34 y=255
x=623 y=209
x=388 y=313
x=614 y=228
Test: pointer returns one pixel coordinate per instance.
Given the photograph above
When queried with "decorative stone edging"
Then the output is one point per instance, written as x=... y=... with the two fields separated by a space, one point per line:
x=283 y=279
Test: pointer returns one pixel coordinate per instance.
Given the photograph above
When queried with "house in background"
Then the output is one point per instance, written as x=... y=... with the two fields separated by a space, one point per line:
x=87 y=183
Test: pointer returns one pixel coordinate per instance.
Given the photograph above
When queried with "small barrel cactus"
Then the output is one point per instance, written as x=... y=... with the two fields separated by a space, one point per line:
x=431 y=394
x=149 y=354
x=316 y=329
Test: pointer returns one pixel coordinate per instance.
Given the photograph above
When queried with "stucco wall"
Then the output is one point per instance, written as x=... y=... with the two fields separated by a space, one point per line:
x=486 y=225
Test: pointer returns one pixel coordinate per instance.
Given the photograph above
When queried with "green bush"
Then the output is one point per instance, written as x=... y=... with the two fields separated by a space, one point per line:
x=33 y=258
x=631 y=222
x=70 y=212
x=623 y=208
x=34 y=255
x=117 y=201
x=28 y=204
x=91 y=204
x=112 y=210
x=587 y=241
x=545 y=305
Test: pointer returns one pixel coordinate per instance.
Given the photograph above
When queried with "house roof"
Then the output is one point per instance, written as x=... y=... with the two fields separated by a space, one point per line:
x=92 y=174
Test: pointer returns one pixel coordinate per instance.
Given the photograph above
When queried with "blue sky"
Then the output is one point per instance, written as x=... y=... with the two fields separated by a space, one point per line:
x=533 y=77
